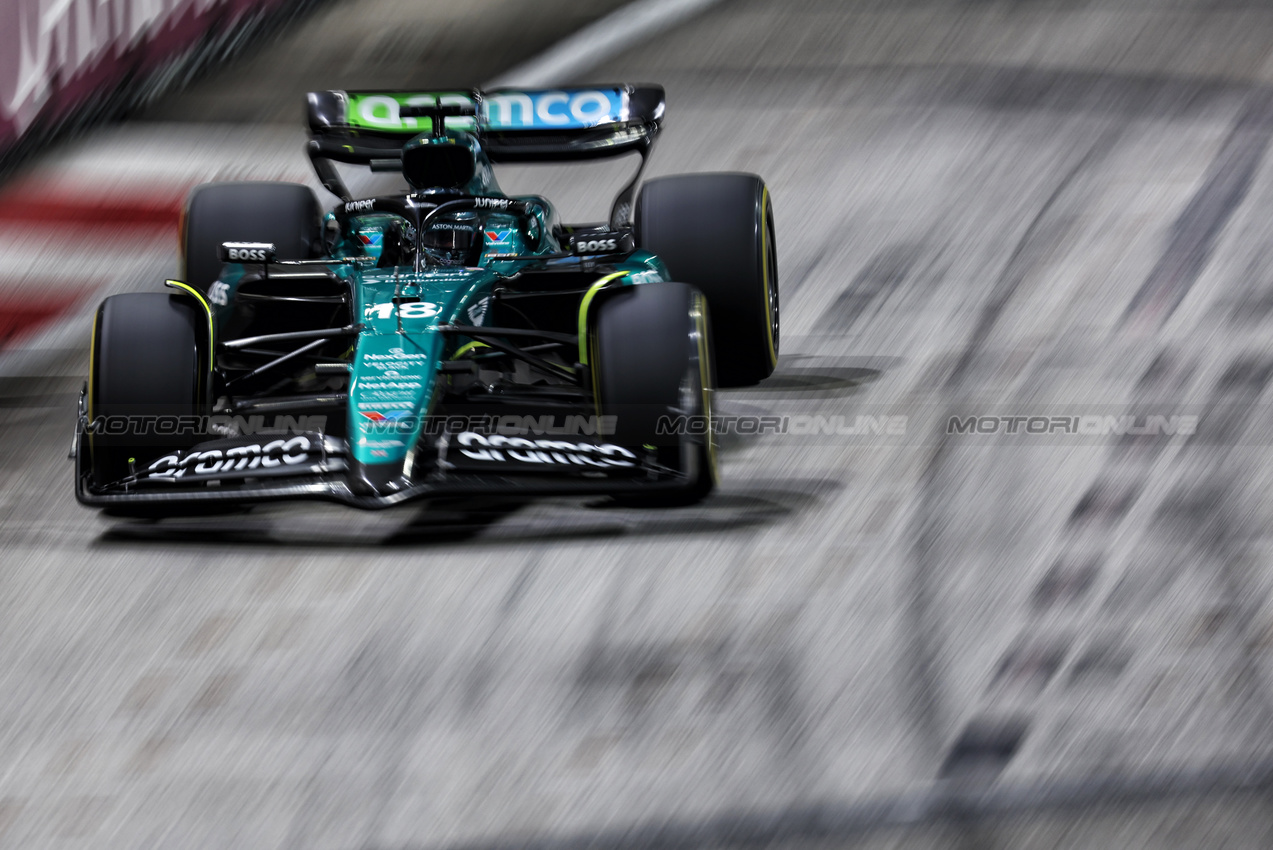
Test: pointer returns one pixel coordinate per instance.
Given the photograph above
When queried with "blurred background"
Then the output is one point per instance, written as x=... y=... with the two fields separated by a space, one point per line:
x=942 y=634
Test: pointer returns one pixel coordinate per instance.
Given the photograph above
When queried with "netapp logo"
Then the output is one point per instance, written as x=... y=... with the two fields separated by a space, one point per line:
x=360 y=206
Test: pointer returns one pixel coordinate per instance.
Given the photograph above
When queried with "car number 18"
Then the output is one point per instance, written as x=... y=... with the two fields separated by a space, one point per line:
x=409 y=310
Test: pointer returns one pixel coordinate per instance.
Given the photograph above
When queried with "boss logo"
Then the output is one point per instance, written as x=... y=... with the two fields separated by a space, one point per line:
x=492 y=203
x=360 y=206
x=247 y=252
x=604 y=243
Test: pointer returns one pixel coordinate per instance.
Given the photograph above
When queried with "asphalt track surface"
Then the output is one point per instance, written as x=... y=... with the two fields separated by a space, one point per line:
x=925 y=639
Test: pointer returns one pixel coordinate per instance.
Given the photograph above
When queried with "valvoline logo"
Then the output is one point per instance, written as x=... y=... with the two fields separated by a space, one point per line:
x=390 y=416
x=498 y=237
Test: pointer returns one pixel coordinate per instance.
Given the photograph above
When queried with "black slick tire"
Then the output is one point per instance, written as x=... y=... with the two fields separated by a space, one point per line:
x=285 y=214
x=716 y=232
x=651 y=363
x=149 y=381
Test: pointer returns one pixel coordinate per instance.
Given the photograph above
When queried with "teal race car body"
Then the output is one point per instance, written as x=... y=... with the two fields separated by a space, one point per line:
x=407 y=319
x=444 y=341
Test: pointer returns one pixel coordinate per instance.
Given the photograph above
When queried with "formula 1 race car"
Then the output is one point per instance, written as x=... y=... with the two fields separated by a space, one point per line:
x=447 y=341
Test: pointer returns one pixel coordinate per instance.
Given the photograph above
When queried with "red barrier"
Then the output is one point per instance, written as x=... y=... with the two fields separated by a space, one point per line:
x=26 y=204
x=67 y=63
x=58 y=57
x=23 y=315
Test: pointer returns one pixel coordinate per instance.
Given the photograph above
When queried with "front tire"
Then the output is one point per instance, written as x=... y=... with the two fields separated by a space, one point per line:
x=651 y=360
x=149 y=364
x=716 y=232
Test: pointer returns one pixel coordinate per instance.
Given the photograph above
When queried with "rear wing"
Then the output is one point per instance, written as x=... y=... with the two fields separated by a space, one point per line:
x=513 y=125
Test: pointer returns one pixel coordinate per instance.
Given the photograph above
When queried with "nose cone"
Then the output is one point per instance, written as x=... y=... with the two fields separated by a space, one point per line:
x=390 y=390
x=376 y=480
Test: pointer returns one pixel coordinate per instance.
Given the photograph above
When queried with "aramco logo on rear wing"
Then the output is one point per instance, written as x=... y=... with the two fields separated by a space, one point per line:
x=554 y=109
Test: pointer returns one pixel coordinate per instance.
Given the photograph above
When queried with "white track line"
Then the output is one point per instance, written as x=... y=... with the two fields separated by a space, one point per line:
x=599 y=40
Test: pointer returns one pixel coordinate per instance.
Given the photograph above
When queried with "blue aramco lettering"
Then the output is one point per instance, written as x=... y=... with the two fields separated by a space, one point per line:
x=563 y=109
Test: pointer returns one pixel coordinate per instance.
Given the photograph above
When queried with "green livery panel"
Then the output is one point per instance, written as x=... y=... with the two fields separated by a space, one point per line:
x=399 y=349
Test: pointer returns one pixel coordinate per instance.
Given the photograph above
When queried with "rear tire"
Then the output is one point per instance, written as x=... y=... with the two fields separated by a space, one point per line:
x=650 y=353
x=149 y=359
x=716 y=232
x=286 y=214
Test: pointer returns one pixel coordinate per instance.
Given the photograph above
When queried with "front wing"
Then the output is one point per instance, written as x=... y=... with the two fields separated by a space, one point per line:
x=311 y=465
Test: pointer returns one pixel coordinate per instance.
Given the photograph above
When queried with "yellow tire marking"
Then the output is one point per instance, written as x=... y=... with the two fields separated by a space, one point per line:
x=764 y=261
x=705 y=379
